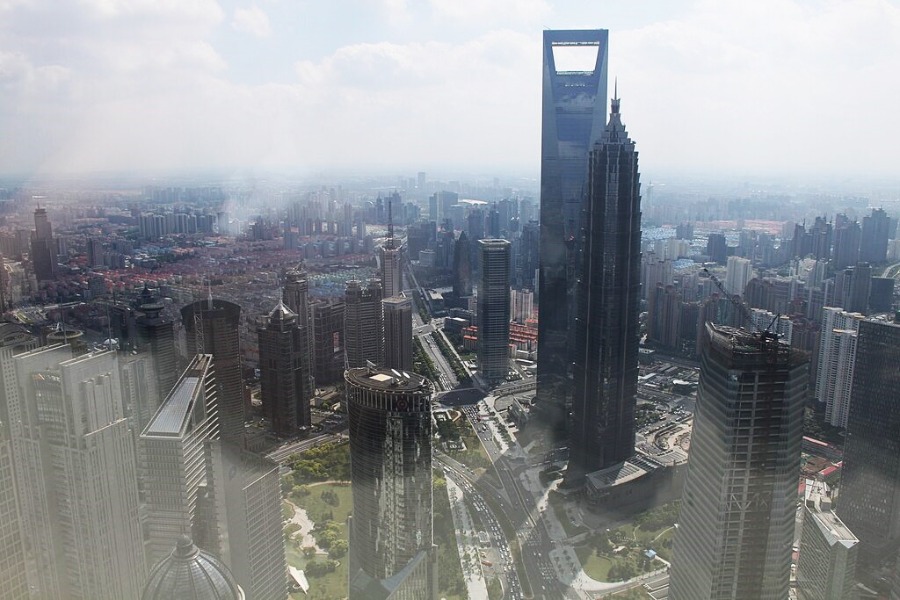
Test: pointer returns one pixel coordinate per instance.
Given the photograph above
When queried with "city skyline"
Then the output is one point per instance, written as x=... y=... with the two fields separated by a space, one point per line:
x=306 y=88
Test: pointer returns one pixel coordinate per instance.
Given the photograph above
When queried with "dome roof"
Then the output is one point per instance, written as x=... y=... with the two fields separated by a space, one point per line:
x=191 y=574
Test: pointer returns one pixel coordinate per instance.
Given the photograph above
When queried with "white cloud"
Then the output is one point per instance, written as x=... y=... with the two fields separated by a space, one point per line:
x=115 y=84
x=491 y=11
x=252 y=20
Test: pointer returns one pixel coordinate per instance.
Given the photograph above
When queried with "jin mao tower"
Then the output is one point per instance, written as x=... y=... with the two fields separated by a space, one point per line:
x=608 y=297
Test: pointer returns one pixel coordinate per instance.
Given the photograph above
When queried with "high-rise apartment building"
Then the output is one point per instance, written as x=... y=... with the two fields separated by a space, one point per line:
x=869 y=501
x=875 y=233
x=847 y=239
x=736 y=526
x=493 y=311
x=572 y=119
x=836 y=362
x=826 y=569
x=284 y=372
x=607 y=331
x=76 y=472
x=738 y=273
x=391 y=543
x=212 y=326
x=173 y=457
x=363 y=323
x=398 y=333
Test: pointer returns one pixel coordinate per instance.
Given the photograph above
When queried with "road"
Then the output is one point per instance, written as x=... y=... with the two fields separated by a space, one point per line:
x=284 y=452
x=518 y=507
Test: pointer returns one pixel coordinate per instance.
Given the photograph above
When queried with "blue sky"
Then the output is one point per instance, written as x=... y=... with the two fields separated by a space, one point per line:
x=770 y=86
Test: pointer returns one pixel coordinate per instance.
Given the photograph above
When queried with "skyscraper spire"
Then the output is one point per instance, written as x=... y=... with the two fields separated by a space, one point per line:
x=390 y=227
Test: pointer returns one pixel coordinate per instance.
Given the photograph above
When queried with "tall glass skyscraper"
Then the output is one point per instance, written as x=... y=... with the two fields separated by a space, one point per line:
x=869 y=502
x=736 y=525
x=493 y=311
x=391 y=549
x=573 y=117
x=607 y=331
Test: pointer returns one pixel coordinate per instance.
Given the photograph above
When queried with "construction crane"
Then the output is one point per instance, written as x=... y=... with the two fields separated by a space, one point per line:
x=767 y=334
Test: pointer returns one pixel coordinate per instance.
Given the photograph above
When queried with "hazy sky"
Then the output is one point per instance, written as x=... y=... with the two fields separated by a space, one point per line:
x=401 y=85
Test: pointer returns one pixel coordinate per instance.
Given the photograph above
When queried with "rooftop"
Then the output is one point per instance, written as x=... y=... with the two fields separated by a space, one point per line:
x=172 y=416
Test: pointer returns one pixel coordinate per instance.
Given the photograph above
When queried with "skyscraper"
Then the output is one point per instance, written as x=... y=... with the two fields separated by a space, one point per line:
x=836 y=361
x=608 y=294
x=573 y=117
x=156 y=333
x=327 y=319
x=14 y=339
x=875 y=233
x=391 y=546
x=173 y=456
x=295 y=296
x=246 y=490
x=77 y=476
x=363 y=323
x=13 y=568
x=462 y=266
x=869 y=502
x=398 y=333
x=826 y=569
x=284 y=372
x=43 y=247
x=736 y=525
x=212 y=327
x=738 y=274
x=493 y=311
x=391 y=272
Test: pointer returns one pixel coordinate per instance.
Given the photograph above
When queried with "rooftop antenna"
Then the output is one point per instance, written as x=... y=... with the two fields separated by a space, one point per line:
x=390 y=226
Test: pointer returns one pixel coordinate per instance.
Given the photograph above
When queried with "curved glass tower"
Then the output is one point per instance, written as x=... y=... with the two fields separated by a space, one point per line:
x=573 y=117
x=391 y=549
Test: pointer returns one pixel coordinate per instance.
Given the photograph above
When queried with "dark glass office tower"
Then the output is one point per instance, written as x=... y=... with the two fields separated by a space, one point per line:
x=284 y=372
x=363 y=323
x=156 y=333
x=43 y=247
x=869 y=502
x=608 y=304
x=573 y=117
x=391 y=549
x=212 y=326
x=493 y=311
x=738 y=508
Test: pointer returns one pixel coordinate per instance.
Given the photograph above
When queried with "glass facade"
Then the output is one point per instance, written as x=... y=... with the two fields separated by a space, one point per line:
x=607 y=331
x=390 y=458
x=573 y=117
x=736 y=525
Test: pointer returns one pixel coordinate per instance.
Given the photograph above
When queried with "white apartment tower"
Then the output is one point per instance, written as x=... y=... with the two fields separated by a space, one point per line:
x=738 y=273
x=837 y=360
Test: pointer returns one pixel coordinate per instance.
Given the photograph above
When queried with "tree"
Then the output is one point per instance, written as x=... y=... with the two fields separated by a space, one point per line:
x=338 y=549
x=309 y=551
